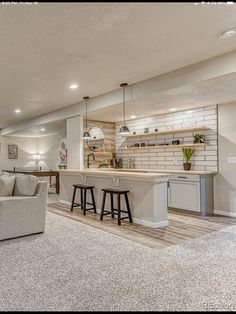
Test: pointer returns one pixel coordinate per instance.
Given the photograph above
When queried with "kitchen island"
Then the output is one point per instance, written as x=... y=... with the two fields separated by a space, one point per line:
x=148 y=195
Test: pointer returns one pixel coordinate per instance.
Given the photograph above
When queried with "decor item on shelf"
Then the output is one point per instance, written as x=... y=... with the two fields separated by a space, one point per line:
x=86 y=135
x=61 y=166
x=134 y=133
x=103 y=164
x=119 y=163
x=143 y=144
x=136 y=145
x=156 y=130
x=124 y=130
x=146 y=130
x=175 y=142
x=151 y=144
x=187 y=154
x=199 y=138
x=131 y=163
x=12 y=151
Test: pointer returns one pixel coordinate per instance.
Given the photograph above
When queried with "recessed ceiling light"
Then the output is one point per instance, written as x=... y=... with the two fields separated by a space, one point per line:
x=227 y=34
x=133 y=117
x=42 y=130
x=74 y=86
x=17 y=111
x=173 y=109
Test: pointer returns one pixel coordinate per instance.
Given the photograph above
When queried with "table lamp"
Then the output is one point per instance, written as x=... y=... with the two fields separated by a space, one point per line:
x=36 y=158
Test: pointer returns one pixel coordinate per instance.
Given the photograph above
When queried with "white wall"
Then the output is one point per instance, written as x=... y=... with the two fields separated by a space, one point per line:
x=48 y=146
x=225 y=181
x=74 y=130
x=26 y=147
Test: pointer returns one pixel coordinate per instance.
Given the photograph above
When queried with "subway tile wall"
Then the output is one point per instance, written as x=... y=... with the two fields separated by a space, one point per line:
x=205 y=158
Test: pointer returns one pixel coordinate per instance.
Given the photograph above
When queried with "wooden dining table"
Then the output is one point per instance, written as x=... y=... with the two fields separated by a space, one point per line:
x=40 y=173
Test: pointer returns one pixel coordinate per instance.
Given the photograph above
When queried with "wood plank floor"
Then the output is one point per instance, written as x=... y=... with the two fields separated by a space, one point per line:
x=182 y=226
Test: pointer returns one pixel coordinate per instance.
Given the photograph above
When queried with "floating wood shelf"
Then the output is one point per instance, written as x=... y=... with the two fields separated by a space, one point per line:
x=169 y=131
x=164 y=146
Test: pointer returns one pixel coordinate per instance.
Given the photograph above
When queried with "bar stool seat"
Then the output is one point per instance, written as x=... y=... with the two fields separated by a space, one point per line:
x=83 y=198
x=116 y=211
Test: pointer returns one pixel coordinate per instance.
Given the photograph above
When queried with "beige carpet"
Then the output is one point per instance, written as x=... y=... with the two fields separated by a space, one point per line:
x=75 y=267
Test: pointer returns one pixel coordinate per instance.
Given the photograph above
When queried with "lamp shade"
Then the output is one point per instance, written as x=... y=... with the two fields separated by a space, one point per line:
x=124 y=130
x=86 y=136
x=36 y=157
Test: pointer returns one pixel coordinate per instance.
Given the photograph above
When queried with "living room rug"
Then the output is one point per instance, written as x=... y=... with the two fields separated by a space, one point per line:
x=75 y=267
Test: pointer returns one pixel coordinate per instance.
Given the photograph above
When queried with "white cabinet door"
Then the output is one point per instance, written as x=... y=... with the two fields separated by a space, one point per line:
x=184 y=195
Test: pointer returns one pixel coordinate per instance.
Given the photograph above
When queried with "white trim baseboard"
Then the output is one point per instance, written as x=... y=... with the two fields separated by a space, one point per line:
x=223 y=213
x=146 y=223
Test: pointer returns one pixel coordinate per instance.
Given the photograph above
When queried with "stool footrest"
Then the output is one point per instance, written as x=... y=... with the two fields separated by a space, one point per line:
x=76 y=205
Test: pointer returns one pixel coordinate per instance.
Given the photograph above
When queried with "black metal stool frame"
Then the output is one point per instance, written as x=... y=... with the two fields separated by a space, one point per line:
x=83 y=198
x=116 y=211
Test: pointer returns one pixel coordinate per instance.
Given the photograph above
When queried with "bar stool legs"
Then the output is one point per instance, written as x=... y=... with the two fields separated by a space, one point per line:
x=103 y=205
x=73 y=200
x=113 y=210
x=128 y=208
x=83 y=198
x=93 y=200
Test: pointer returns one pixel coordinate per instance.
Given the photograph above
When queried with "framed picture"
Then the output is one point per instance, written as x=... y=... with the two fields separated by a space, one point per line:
x=63 y=152
x=12 y=151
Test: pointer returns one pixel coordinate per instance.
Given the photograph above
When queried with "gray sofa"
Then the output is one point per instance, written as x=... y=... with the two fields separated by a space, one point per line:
x=23 y=215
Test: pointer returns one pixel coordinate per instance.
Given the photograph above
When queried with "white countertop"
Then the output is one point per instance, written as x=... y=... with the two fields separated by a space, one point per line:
x=197 y=172
x=139 y=172
x=109 y=172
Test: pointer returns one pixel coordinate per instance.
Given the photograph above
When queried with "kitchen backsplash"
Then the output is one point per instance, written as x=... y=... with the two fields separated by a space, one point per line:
x=205 y=157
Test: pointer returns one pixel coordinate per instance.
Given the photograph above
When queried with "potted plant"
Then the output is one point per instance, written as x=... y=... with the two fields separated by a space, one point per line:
x=199 y=138
x=187 y=154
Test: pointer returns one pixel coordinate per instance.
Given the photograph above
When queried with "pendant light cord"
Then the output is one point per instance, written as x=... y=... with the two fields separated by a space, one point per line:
x=124 y=103
x=86 y=101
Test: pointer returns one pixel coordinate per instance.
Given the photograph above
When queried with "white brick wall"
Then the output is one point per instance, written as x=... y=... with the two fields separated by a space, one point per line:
x=205 y=158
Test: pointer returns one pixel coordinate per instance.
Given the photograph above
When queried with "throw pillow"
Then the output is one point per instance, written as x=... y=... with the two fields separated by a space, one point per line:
x=6 y=185
x=25 y=185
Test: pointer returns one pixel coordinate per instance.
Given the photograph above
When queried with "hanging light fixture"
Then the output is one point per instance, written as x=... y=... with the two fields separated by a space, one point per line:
x=124 y=130
x=86 y=135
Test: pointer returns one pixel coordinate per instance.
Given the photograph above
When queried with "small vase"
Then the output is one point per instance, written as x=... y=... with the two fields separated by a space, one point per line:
x=187 y=166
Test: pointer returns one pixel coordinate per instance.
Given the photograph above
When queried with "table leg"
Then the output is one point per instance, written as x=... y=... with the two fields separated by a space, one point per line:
x=57 y=184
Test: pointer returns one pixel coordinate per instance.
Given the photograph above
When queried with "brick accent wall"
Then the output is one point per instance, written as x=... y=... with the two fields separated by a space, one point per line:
x=205 y=158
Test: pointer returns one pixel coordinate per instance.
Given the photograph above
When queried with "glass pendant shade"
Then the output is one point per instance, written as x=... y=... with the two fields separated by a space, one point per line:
x=124 y=130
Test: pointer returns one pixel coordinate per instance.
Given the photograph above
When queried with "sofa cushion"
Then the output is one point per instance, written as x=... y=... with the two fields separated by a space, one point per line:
x=25 y=185
x=6 y=185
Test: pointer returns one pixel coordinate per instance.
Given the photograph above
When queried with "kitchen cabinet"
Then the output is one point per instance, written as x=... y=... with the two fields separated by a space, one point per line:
x=191 y=192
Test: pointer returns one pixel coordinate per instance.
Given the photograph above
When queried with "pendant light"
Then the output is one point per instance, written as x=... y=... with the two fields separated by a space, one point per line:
x=86 y=135
x=124 y=130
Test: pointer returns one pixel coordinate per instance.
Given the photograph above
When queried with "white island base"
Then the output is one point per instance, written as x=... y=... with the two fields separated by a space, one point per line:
x=148 y=195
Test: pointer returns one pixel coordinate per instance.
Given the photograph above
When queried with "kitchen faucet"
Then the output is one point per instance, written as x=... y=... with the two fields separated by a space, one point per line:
x=88 y=163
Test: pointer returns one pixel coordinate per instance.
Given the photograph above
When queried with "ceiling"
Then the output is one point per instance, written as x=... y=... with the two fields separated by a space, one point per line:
x=54 y=128
x=214 y=91
x=46 y=46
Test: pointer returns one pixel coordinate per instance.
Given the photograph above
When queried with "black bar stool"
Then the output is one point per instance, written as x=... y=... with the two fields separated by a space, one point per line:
x=83 y=198
x=116 y=211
